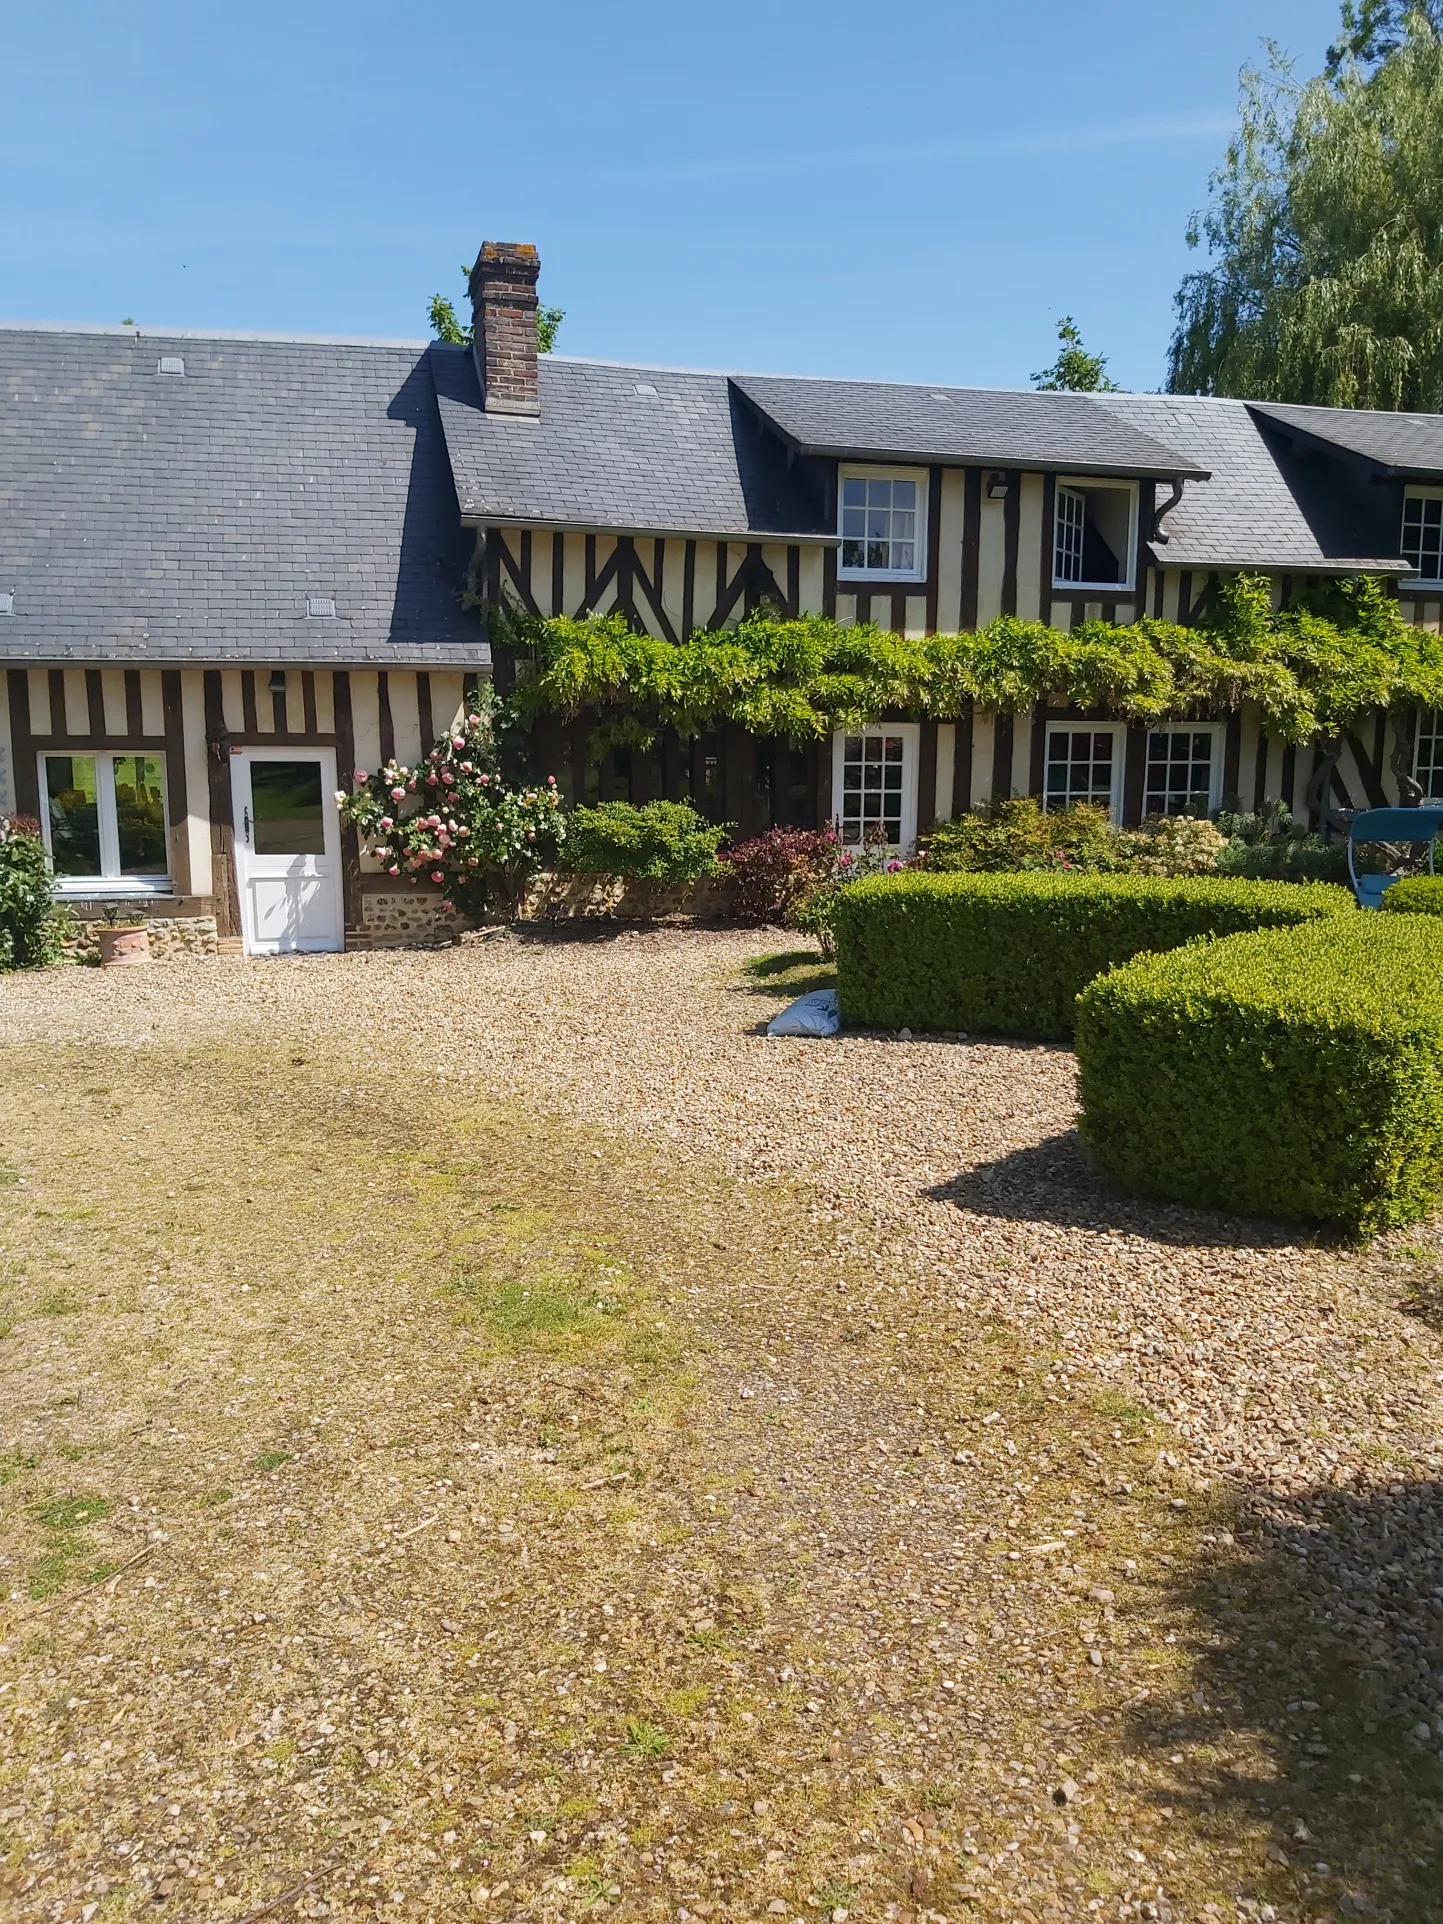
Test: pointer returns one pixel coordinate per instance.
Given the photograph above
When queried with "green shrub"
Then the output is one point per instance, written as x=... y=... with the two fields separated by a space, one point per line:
x=665 y=842
x=1308 y=859
x=32 y=927
x=1415 y=895
x=1019 y=834
x=1010 y=954
x=1297 y=1073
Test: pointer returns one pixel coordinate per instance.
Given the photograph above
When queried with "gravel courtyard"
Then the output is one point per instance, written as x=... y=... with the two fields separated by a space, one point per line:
x=881 y=1520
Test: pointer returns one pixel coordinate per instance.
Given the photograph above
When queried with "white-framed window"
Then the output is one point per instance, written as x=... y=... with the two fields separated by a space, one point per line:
x=882 y=520
x=1094 y=534
x=874 y=784
x=1183 y=773
x=103 y=819
x=1422 y=541
x=1428 y=755
x=1083 y=764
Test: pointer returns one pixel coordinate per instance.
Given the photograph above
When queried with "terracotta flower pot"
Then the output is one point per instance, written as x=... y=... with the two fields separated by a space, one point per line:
x=123 y=944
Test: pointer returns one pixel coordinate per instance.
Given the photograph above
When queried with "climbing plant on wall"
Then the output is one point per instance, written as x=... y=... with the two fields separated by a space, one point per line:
x=1313 y=669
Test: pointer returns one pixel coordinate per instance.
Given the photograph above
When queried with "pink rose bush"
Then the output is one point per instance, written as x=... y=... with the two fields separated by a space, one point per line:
x=474 y=835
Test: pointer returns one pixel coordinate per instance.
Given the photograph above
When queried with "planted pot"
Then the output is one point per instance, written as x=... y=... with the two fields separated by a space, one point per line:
x=122 y=944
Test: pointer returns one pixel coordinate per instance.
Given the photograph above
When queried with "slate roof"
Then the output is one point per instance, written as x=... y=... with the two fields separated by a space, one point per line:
x=877 y=420
x=155 y=517
x=1261 y=507
x=1409 y=446
x=629 y=449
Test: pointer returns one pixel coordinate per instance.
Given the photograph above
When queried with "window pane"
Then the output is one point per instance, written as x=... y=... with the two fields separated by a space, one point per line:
x=286 y=808
x=904 y=494
x=140 y=815
x=70 y=795
x=854 y=521
x=854 y=494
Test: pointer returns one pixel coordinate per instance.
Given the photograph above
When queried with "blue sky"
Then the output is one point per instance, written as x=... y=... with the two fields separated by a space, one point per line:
x=910 y=190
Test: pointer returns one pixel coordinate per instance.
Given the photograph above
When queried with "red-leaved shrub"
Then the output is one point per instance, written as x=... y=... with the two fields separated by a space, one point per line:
x=775 y=873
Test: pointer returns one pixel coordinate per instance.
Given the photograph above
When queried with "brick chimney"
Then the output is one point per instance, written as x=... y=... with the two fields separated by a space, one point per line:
x=503 y=307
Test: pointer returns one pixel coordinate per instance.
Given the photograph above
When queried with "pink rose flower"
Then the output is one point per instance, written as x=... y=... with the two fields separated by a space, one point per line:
x=448 y=778
x=467 y=768
x=531 y=834
x=437 y=876
x=361 y=775
x=474 y=721
x=448 y=908
x=394 y=869
x=398 y=794
x=551 y=781
x=458 y=741
x=431 y=780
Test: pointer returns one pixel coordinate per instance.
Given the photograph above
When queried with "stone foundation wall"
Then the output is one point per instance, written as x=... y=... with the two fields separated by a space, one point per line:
x=408 y=917
x=562 y=898
x=170 y=935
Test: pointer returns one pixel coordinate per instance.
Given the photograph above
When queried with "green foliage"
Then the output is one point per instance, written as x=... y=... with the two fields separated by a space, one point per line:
x=1312 y=670
x=1075 y=371
x=453 y=821
x=1009 y=954
x=1296 y=1074
x=1325 y=229
x=1415 y=895
x=665 y=842
x=446 y=323
x=1019 y=834
x=32 y=927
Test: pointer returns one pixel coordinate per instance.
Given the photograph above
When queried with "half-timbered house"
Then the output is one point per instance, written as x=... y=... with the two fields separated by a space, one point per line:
x=233 y=568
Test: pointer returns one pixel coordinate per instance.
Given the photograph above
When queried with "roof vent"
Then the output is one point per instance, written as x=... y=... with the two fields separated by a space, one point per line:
x=321 y=607
x=170 y=364
x=645 y=387
x=7 y=603
x=940 y=397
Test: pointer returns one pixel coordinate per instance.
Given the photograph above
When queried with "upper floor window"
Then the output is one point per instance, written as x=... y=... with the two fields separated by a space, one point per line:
x=1094 y=534
x=883 y=523
x=1423 y=531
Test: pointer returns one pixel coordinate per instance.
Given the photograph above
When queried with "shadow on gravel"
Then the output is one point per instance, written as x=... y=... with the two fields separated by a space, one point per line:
x=1054 y=1182
x=1317 y=1713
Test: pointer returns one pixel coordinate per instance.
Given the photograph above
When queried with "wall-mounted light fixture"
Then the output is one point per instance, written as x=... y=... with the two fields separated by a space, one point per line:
x=997 y=485
x=277 y=682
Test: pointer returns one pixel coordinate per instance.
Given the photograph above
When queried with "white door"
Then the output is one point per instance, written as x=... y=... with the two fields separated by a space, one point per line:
x=288 y=848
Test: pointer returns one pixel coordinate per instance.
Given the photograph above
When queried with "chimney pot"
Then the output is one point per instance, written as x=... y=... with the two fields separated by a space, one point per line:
x=503 y=307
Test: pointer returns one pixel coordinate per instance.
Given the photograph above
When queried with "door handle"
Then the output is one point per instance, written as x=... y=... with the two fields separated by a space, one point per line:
x=246 y=819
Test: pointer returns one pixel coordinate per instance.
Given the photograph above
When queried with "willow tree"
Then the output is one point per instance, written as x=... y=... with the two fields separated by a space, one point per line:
x=1325 y=230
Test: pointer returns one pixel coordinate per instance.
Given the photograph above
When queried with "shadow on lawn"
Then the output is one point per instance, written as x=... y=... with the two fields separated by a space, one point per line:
x=1316 y=1717
x=1054 y=1181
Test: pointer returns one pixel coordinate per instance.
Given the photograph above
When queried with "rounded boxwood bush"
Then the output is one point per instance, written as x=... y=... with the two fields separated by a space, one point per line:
x=1296 y=1073
x=1415 y=895
x=1009 y=954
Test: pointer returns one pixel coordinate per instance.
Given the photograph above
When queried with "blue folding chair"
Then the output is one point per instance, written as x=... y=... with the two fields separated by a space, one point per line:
x=1414 y=825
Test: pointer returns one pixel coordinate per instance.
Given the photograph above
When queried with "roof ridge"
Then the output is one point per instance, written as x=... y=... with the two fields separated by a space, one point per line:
x=209 y=334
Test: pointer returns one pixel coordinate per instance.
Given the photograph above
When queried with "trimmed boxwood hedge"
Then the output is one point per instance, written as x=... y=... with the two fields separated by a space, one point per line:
x=1297 y=1073
x=1009 y=954
x=1415 y=895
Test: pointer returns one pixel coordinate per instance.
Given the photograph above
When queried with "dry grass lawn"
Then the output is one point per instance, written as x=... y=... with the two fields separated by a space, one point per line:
x=420 y=1506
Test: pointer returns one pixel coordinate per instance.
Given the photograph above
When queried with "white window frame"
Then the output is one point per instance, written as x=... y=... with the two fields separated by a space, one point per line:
x=856 y=472
x=1079 y=484
x=1420 y=494
x=110 y=882
x=1218 y=731
x=911 y=734
x=1430 y=723
x=1118 y=732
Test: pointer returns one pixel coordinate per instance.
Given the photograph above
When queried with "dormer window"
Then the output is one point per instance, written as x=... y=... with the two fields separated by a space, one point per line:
x=883 y=523
x=1422 y=542
x=1094 y=534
